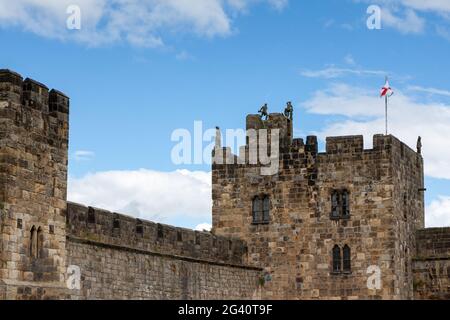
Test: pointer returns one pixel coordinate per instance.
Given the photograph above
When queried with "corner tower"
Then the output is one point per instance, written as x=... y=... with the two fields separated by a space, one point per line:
x=34 y=128
x=325 y=222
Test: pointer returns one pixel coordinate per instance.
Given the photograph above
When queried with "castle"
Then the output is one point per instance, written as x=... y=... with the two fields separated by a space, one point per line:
x=347 y=223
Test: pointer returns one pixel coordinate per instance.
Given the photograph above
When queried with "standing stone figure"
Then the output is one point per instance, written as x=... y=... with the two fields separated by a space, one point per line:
x=419 y=145
x=263 y=111
x=289 y=110
x=218 y=140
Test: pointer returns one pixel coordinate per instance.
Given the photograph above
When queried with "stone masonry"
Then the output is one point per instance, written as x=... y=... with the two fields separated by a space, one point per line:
x=54 y=249
x=383 y=230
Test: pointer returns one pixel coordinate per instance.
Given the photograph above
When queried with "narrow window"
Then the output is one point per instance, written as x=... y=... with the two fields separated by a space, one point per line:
x=340 y=204
x=179 y=236
x=116 y=223
x=406 y=260
x=19 y=223
x=336 y=259
x=266 y=209
x=345 y=204
x=257 y=210
x=91 y=215
x=33 y=242
x=335 y=204
x=347 y=258
x=139 y=227
x=39 y=242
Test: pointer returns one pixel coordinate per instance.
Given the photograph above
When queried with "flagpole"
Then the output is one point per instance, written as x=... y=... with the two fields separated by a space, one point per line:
x=386 y=111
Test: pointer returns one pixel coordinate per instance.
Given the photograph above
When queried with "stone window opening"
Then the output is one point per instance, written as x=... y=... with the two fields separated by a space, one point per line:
x=346 y=254
x=335 y=212
x=341 y=260
x=261 y=209
x=33 y=242
x=39 y=242
x=179 y=236
x=91 y=215
x=19 y=223
x=336 y=253
x=405 y=204
x=340 y=204
x=139 y=228
x=345 y=204
x=266 y=209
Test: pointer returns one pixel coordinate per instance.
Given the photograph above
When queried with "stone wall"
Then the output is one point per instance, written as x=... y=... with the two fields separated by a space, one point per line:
x=431 y=266
x=294 y=248
x=125 y=258
x=44 y=239
x=33 y=183
x=408 y=213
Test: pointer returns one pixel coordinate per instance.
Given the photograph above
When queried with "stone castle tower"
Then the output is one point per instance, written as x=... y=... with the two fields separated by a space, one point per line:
x=34 y=128
x=320 y=226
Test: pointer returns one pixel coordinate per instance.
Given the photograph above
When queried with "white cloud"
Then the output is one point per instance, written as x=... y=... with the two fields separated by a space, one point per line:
x=435 y=6
x=279 y=4
x=410 y=22
x=147 y=194
x=242 y=5
x=349 y=60
x=432 y=91
x=403 y=15
x=439 y=6
x=408 y=118
x=138 y=22
x=443 y=32
x=83 y=155
x=364 y=113
x=203 y=227
x=335 y=72
x=438 y=213
x=343 y=99
x=183 y=56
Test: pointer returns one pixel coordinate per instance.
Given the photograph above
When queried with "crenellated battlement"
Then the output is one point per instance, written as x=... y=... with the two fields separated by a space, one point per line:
x=32 y=94
x=355 y=145
x=294 y=152
x=34 y=137
x=107 y=228
x=344 y=144
x=29 y=105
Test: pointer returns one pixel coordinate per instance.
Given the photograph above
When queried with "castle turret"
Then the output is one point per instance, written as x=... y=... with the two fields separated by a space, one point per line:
x=33 y=185
x=325 y=224
x=275 y=121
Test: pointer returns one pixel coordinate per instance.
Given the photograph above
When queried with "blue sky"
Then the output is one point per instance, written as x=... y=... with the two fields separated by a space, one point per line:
x=135 y=73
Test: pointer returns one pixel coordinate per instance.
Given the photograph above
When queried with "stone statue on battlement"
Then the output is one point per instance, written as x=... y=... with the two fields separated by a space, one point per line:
x=289 y=110
x=218 y=140
x=419 y=145
x=263 y=111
